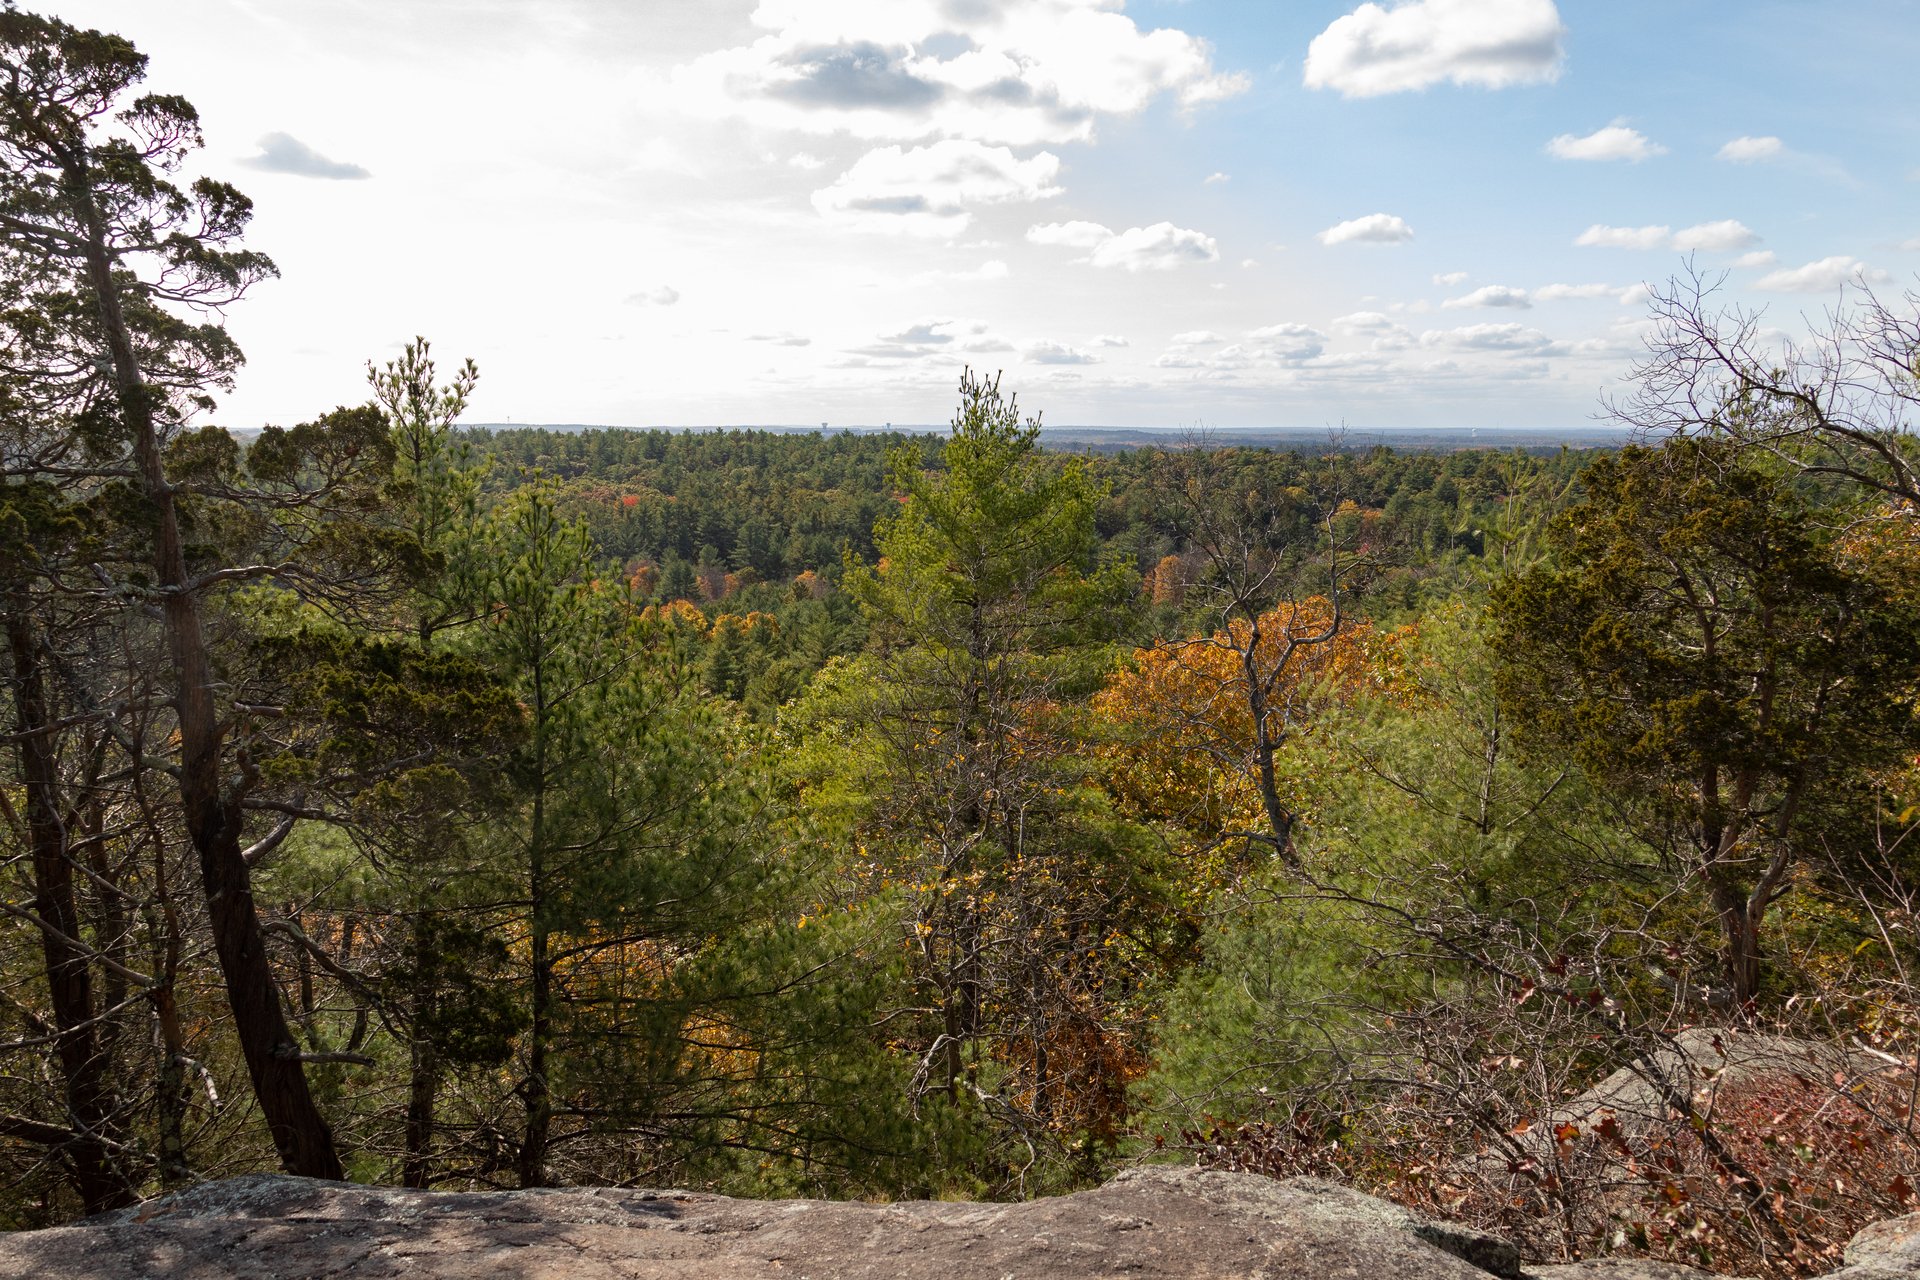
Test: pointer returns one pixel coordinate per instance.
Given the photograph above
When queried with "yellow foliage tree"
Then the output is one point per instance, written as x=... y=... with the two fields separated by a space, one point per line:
x=1196 y=727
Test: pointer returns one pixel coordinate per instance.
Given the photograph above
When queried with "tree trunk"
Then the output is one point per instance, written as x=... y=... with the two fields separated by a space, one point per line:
x=112 y=926
x=1280 y=819
x=102 y=1185
x=423 y=1080
x=1740 y=922
x=213 y=815
x=534 y=1092
x=173 y=1093
x=422 y=1088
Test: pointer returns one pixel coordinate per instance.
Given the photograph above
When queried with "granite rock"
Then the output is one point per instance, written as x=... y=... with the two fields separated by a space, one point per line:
x=1146 y=1224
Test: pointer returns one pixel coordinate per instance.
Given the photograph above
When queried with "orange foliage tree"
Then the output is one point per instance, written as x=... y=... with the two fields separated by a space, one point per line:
x=1198 y=726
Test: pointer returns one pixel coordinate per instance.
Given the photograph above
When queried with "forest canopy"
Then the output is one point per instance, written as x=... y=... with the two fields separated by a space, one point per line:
x=926 y=815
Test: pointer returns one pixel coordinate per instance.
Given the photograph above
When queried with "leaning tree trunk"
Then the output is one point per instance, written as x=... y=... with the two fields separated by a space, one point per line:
x=102 y=1184
x=213 y=812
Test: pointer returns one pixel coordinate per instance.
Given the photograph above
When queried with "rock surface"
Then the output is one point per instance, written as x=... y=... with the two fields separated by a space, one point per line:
x=1883 y=1251
x=1147 y=1224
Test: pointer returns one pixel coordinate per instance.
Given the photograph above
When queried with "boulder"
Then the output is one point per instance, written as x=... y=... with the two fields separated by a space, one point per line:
x=1145 y=1224
x=1884 y=1251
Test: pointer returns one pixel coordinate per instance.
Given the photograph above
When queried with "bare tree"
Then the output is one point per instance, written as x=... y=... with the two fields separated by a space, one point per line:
x=1841 y=402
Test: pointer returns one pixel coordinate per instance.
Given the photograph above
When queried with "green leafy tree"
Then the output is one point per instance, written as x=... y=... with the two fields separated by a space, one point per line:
x=1713 y=657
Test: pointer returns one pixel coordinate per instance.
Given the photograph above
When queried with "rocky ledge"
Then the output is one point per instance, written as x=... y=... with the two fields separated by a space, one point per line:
x=1145 y=1224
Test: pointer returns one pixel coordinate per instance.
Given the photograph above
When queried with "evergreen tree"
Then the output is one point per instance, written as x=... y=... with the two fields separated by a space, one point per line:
x=643 y=846
x=983 y=612
x=1713 y=656
x=105 y=249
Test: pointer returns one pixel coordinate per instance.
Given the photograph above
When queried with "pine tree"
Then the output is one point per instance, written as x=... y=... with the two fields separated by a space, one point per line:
x=984 y=610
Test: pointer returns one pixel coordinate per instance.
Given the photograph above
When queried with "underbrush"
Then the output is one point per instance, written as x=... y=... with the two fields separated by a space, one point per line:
x=1770 y=1176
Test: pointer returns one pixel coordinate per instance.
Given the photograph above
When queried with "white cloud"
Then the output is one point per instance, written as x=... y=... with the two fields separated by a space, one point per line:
x=1363 y=322
x=1716 y=237
x=1723 y=236
x=1375 y=228
x=1288 y=347
x=1615 y=142
x=1023 y=72
x=1635 y=294
x=1909 y=246
x=781 y=339
x=1758 y=258
x=1160 y=247
x=1213 y=179
x=1746 y=150
x=1599 y=236
x=1450 y=278
x=1110 y=340
x=1416 y=43
x=1197 y=338
x=1491 y=295
x=929 y=337
x=1558 y=292
x=1488 y=337
x=1055 y=353
x=1073 y=235
x=1819 y=277
x=1288 y=343
x=658 y=296
x=805 y=160
x=924 y=333
x=931 y=190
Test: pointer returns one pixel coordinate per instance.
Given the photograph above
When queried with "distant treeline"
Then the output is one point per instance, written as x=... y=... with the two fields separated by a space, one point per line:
x=1089 y=439
x=778 y=504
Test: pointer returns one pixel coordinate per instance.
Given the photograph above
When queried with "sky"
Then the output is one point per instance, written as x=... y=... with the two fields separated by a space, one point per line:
x=1175 y=213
